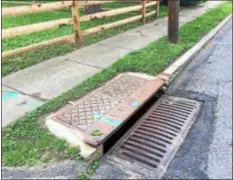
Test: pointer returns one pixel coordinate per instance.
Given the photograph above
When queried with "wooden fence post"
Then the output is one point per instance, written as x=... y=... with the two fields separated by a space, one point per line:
x=143 y=11
x=76 y=23
x=157 y=8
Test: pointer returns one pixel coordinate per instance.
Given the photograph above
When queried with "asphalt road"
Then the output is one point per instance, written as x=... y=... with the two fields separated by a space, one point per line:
x=207 y=150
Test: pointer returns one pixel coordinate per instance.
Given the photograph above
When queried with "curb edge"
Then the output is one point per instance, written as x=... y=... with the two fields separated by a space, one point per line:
x=178 y=65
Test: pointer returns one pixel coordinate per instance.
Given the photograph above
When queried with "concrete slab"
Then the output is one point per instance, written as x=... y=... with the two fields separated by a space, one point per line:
x=49 y=79
x=98 y=55
x=16 y=104
x=185 y=19
x=85 y=52
x=73 y=137
x=202 y=8
x=155 y=29
x=158 y=28
x=133 y=42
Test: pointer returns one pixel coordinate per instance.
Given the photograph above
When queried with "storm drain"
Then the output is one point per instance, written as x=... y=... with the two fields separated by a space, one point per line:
x=154 y=140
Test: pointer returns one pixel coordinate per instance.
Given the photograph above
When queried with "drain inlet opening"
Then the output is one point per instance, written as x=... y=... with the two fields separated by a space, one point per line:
x=113 y=139
x=153 y=135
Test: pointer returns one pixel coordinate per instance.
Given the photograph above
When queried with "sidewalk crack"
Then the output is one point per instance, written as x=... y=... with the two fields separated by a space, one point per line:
x=83 y=64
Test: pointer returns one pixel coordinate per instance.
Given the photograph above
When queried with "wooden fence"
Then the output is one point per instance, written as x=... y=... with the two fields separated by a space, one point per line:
x=75 y=20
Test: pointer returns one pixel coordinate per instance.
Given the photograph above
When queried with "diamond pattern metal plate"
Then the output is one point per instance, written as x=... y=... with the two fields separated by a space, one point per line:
x=123 y=86
x=81 y=114
x=101 y=101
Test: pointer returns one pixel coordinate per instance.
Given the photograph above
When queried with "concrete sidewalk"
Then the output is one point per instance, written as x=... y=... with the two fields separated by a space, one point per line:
x=27 y=89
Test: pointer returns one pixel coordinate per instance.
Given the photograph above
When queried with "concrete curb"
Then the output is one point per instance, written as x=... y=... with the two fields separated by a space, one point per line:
x=176 y=67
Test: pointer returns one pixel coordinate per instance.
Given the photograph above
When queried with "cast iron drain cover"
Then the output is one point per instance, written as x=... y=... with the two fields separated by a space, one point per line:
x=82 y=114
x=153 y=141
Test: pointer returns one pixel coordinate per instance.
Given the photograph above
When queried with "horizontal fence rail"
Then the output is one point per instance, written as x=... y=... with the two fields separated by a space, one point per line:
x=18 y=2
x=12 y=32
x=35 y=8
x=58 y=40
x=53 y=6
x=75 y=21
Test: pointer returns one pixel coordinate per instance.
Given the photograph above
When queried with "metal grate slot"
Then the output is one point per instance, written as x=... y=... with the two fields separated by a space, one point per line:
x=167 y=108
x=145 y=160
x=149 y=143
x=154 y=140
x=141 y=152
x=159 y=128
x=146 y=133
x=175 y=105
x=164 y=123
x=144 y=148
x=170 y=115
x=182 y=105
x=169 y=119
x=155 y=131
x=150 y=140
x=180 y=113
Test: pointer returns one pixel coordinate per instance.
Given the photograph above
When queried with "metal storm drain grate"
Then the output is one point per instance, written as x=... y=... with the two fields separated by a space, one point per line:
x=154 y=140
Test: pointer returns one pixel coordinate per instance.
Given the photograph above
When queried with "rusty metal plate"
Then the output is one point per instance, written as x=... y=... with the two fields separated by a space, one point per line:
x=122 y=86
x=84 y=112
x=81 y=115
x=154 y=140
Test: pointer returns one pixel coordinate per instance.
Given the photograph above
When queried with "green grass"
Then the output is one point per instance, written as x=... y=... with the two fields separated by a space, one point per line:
x=26 y=141
x=16 y=63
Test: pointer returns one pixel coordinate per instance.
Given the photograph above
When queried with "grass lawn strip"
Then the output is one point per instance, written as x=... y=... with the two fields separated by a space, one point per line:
x=16 y=63
x=27 y=142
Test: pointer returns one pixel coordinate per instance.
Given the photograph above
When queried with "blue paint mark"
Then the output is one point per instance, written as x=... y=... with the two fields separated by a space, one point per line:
x=110 y=121
x=104 y=118
x=8 y=95
x=97 y=115
x=135 y=103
